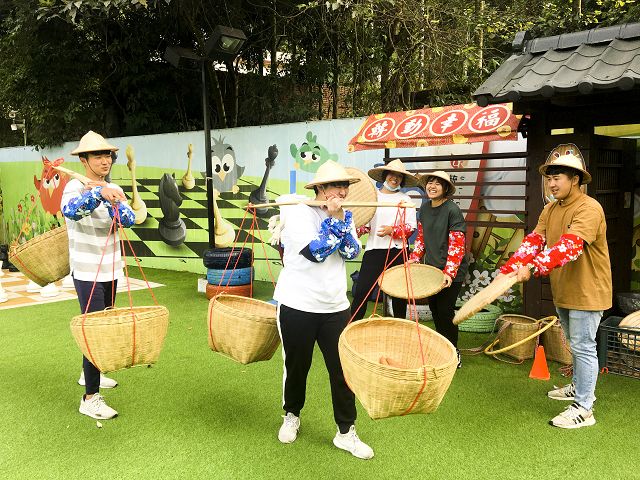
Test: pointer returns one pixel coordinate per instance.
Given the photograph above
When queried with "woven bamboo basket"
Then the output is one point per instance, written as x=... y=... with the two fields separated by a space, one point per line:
x=422 y=281
x=122 y=337
x=630 y=322
x=382 y=363
x=243 y=329
x=483 y=321
x=45 y=258
x=556 y=346
x=514 y=328
x=362 y=191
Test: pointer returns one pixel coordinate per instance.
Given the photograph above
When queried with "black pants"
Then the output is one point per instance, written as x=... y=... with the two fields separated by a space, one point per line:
x=373 y=262
x=102 y=298
x=299 y=332
x=442 y=306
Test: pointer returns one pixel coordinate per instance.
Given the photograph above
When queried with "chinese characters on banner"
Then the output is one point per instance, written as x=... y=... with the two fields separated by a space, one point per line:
x=454 y=124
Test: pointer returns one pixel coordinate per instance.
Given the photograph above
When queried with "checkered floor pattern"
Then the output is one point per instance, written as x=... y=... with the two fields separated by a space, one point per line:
x=15 y=286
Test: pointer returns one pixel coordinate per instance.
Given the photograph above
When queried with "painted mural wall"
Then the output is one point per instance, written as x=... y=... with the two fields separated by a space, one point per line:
x=165 y=174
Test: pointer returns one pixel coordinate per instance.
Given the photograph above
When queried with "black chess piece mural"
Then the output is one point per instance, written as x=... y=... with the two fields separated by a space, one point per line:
x=171 y=227
x=259 y=195
x=4 y=256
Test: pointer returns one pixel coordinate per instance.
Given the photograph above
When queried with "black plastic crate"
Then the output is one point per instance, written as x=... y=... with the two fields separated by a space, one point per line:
x=619 y=348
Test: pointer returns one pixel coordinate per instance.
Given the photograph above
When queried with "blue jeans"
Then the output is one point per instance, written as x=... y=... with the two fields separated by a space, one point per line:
x=103 y=297
x=580 y=328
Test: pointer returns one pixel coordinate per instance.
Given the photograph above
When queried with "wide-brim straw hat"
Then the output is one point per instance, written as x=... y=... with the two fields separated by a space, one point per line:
x=442 y=175
x=93 y=142
x=330 y=172
x=379 y=174
x=570 y=161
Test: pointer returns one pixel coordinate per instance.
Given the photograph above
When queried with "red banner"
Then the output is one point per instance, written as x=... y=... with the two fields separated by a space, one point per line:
x=426 y=127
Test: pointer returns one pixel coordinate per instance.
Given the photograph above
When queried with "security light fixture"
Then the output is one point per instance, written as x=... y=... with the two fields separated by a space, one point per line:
x=181 y=57
x=224 y=43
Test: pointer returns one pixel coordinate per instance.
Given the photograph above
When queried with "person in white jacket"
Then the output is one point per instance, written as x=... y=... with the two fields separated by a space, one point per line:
x=312 y=302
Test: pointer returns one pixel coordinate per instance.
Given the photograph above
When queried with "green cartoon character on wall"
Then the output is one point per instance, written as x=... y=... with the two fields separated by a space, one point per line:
x=311 y=154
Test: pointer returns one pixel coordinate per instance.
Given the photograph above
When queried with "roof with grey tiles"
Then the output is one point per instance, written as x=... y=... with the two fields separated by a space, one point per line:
x=602 y=59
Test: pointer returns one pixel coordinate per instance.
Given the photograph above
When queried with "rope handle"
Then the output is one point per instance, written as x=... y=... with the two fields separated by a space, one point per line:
x=563 y=338
x=488 y=350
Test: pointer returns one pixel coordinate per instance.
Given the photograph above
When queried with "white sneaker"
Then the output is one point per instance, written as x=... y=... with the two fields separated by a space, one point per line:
x=289 y=429
x=105 y=382
x=568 y=392
x=96 y=407
x=574 y=416
x=351 y=443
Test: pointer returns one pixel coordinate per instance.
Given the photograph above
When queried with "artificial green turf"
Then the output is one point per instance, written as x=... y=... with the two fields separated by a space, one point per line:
x=197 y=414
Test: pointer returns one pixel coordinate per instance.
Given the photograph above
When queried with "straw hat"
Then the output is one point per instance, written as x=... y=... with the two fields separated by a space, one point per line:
x=442 y=175
x=93 y=142
x=570 y=161
x=379 y=174
x=330 y=172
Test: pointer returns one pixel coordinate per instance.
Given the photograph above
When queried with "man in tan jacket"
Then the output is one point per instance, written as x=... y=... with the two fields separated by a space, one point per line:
x=569 y=244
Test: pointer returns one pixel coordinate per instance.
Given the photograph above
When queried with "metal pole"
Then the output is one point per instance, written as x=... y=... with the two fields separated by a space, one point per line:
x=207 y=154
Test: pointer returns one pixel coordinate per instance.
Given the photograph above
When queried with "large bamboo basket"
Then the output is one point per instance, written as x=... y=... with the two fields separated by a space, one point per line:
x=630 y=322
x=512 y=329
x=45 y=258
x=382 y=365
x=122 y=337
x=422 y=281
x=243 y=329
x=556 y=346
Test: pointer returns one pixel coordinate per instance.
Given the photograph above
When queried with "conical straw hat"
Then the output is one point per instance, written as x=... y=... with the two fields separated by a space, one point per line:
x=330 y=172
x=93 y=142
x=442 y=175
x=570 y=161
x=379 y=173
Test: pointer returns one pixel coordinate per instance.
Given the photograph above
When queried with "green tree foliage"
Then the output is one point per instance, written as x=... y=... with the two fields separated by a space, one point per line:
x=70 y=65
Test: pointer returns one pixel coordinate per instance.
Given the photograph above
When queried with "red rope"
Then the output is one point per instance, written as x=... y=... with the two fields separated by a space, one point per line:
x=86 y=311
x=264 y=250
x=137 y=260
x=116 y=225
x=226 y=267
x=116 y=216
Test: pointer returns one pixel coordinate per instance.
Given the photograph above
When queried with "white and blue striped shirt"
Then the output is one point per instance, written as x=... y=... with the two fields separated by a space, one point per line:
x=89 y=220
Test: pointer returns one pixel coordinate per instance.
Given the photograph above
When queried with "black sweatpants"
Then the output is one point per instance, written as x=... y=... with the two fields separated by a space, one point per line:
x=102 y=298
x=373 y=262
x=442 y=306
x=299 y=332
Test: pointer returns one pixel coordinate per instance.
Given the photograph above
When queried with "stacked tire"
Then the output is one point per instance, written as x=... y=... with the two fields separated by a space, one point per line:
x=229 y=271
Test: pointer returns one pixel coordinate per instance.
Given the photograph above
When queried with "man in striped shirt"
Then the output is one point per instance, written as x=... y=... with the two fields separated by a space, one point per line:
x=94 y=250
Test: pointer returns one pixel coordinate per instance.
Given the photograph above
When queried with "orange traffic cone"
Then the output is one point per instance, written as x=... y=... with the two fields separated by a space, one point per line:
x=540 y=370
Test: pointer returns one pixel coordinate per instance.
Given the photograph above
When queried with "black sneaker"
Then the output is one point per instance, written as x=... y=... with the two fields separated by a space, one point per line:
x=459 y=358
